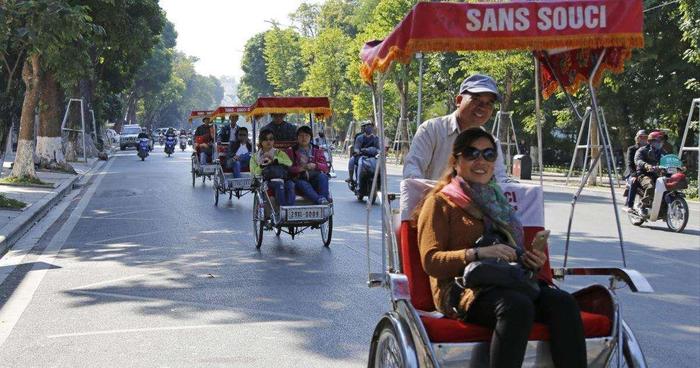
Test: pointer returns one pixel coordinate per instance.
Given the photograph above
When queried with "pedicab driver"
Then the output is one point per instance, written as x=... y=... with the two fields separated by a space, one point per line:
x=431 y=145
x=283 y=130
x=203 y=137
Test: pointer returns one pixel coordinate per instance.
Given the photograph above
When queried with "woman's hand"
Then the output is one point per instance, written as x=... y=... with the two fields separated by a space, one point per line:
x=265 y=161
x=500 y=251
x=311 y=166
x=534 y=259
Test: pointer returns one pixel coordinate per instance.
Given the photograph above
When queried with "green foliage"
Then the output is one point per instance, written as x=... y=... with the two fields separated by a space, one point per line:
x=254 y=82
x=285 y=68
x=10 y=203
x=24 y=180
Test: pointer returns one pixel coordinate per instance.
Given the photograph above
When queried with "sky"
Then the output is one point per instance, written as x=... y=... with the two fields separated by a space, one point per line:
x=215 y=31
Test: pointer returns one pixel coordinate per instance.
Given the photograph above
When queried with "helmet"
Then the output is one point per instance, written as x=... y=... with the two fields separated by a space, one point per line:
x=641 y=133
x=655 y=135
x=367 y=123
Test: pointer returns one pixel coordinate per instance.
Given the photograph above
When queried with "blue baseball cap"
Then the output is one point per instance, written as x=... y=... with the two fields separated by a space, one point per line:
x=479 y=83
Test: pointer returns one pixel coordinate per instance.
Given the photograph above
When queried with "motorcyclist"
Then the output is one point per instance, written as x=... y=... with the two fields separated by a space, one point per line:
x=321 y=140
x=170 y=133
x=362 y=143
x=144 y=134
x=203 y=138
x=640 y=140
x=647 y=160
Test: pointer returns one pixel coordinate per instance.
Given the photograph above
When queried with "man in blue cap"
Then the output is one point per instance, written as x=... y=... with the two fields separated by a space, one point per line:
x=432 y=144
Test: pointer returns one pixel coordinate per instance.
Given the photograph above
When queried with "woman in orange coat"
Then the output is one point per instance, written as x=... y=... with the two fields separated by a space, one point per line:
x=464 y=205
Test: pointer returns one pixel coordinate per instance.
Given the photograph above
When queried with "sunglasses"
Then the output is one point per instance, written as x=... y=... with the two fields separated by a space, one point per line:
x=471 y=154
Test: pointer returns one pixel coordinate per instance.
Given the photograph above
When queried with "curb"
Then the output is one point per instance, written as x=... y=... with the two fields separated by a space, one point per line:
x=19 y=226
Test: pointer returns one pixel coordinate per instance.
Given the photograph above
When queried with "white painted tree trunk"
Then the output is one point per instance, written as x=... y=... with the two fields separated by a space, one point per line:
x=24 y=159
x=50 y=149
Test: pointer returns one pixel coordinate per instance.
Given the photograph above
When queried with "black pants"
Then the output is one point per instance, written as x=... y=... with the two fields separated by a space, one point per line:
x=511 y=315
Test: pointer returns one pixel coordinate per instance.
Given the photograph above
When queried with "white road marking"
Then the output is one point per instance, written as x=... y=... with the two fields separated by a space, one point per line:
x=20 y=299
x=309 y=324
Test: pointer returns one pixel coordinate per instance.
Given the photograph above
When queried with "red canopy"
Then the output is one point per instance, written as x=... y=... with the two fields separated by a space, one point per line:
x=320 y=106
x=516 y=25
x=199 y=114
x=222 y=111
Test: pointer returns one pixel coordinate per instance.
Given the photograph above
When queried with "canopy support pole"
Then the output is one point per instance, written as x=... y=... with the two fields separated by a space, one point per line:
x=608 y=159
x=538 y=121
x=695 y=104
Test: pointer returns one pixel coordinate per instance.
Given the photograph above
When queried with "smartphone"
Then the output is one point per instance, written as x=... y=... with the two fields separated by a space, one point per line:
x=540 y=240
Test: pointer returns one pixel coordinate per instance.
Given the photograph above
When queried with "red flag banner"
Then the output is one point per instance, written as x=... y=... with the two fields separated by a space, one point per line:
x=517 y=25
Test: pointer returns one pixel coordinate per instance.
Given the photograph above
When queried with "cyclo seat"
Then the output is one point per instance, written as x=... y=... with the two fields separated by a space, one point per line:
x=596 y=315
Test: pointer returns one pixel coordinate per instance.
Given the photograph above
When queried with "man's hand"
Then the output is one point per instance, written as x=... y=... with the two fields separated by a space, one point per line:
x=236 y=158
x=311 y=166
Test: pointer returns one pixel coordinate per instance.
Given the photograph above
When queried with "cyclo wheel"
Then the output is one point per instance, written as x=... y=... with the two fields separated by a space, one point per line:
x=677 y=214
x=388 y=353
x=278 y=231
x=327 y=231
x=258 y=223
x=194 y=175
x=216 y=194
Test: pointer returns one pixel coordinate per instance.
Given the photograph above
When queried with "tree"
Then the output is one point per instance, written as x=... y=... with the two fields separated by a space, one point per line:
x=46 y=27
x=254 y=81
x=285 y=68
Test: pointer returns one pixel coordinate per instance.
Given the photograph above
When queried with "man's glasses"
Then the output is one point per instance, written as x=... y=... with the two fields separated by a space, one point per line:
x=471 y=154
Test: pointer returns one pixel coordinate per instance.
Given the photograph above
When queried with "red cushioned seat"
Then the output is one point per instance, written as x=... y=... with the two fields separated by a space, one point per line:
x=450 y=330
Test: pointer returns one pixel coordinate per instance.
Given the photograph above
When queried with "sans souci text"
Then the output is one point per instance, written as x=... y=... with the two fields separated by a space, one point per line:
x=547 y=18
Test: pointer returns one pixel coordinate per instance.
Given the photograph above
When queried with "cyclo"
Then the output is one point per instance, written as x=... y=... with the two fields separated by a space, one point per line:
x=198 y=170
x=223 y=180
x=412 y=334
x=304 y=215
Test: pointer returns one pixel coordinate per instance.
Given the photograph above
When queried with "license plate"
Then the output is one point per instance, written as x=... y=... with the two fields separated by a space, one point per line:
x=299 y=214
x=240 y=183
x=209 y=169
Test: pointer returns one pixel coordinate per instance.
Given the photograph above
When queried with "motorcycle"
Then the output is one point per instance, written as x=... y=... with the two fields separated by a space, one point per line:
x=143 y=148
x=169 y=145
x=364 y=173
x=183 y=142
x=669 y=200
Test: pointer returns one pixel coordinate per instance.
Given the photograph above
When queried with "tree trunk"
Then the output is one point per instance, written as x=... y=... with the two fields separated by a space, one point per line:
x=24 y=160
x=49 y=143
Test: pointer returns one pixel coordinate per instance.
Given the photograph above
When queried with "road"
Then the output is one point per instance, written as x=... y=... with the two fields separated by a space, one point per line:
x=137 y=268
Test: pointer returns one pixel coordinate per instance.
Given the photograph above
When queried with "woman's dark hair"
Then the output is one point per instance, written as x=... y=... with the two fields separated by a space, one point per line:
x=465 y=139
x=264 y=133
x=243 y=128
x=304 y=129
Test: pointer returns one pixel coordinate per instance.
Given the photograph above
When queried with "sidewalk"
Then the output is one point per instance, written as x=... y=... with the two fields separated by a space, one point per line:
x=15 y=223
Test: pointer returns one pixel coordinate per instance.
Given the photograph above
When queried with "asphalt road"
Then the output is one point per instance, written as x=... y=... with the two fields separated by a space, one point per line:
x=141 y=270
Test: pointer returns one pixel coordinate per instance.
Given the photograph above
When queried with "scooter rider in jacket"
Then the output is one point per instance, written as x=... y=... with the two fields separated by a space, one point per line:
x=362 y=142
x=640 y=141
x=647 y=160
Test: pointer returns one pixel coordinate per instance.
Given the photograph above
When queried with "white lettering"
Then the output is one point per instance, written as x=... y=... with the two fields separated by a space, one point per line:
x=575 y=17
x=490 y=23
x=473 y=23
x=522 y=22
x=559 y=18
x=505 y=19
x=544 y=23
x=591 y=20
x=603 y=17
